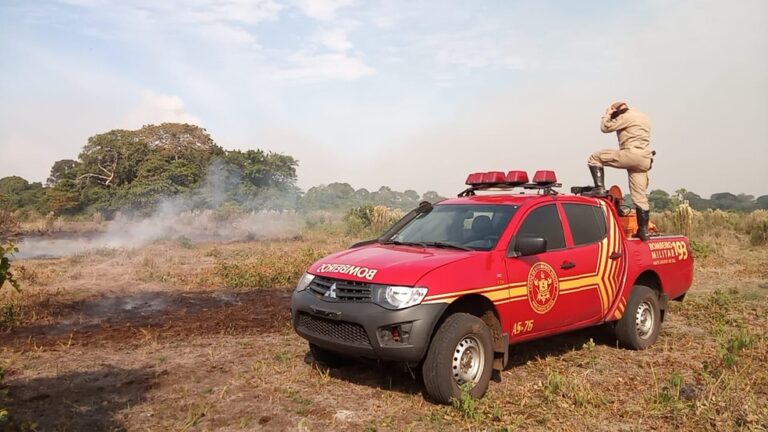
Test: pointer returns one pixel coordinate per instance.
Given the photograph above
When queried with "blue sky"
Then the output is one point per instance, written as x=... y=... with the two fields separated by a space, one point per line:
x=410 y=94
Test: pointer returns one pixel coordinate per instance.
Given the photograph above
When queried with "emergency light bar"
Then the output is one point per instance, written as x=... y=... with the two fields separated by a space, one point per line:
x=543 y=180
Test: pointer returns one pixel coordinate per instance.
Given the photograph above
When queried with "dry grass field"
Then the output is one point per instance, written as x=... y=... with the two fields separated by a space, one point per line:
x=195 y=336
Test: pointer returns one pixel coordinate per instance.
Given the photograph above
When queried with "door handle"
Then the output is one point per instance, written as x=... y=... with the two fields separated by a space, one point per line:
x=567 y=265
x=615 y=255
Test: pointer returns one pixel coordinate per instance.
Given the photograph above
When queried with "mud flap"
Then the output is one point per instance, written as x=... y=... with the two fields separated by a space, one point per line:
x=501 y=353
x=663 y=303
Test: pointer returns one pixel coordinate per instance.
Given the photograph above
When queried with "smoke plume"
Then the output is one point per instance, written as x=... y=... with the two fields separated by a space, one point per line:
x=215 y=212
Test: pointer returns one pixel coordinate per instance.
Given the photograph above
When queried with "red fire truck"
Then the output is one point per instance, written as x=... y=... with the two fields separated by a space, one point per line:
x=450 y=286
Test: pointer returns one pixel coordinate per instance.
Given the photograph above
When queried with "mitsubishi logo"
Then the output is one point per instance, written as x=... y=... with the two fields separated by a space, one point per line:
x=331 y=291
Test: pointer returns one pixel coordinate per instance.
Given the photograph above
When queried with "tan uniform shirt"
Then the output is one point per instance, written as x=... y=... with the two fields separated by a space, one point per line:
x=633 y=129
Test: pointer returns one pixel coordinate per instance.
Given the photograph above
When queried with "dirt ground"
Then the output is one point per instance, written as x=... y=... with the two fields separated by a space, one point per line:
x=112 y=341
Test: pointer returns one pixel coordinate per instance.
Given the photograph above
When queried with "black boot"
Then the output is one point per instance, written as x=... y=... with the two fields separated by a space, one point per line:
x=643 y=216
x=598 y=176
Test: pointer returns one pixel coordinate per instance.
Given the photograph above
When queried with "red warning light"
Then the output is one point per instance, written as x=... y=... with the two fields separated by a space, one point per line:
x=517 y=178
x=474 y=179
x=494 y=177
x=544 y=177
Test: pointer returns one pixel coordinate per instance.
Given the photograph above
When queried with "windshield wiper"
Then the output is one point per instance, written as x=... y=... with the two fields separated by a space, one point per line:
x=447 y=245
x=402 y=243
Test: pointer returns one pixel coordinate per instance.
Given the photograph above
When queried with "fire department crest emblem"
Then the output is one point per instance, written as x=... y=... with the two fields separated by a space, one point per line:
x=543 y=287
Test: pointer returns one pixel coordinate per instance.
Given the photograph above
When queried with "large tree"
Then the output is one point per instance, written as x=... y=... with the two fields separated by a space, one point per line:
x=264 y=170
x=660 y=200
x=65 y=169
x=135 y=169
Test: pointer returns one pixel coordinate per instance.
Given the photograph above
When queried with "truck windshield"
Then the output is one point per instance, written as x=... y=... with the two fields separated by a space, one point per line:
x=461 y=226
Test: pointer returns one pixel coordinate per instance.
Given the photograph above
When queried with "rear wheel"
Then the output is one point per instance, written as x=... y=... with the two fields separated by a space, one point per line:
x=461 y=354
x=639 y=327
x=327 y=357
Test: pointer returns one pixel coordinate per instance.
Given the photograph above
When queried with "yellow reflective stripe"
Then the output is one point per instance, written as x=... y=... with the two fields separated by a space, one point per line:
x=578 y=283
x=579 y=289
x=611 y=263
x=511 y=300
x=473 y=291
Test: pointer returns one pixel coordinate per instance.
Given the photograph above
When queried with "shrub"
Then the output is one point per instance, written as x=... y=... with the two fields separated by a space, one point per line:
x=730 y=348
x=269 y=269
x=466 y=405
x=682 y=217
x=758 y=233
x=9 y=224
x=227 y=211
x=384 y=217
x=185 y=242
x=370 y=219
x=5 y=265
x=700 y=249
x=317 y=219
x=10 y=315
x=670 y=393
x=579 y=394
x=358 y=219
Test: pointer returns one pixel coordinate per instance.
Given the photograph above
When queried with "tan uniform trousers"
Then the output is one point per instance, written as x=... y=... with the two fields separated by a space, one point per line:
x=637 y=165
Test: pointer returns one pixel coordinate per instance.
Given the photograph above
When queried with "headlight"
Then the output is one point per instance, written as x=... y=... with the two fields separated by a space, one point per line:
x=399 y=297
x=304 y=282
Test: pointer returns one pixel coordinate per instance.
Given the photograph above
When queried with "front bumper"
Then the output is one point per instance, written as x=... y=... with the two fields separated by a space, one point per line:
x=360 y=329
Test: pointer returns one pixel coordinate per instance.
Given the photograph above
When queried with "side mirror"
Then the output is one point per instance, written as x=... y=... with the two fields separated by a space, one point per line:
x=529 y=245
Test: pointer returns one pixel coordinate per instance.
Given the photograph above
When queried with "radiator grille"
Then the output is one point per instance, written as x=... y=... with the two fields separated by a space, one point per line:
x=343 y=290
x=339 y=330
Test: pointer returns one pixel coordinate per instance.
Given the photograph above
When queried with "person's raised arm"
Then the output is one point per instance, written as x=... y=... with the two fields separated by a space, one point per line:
x=614 y=119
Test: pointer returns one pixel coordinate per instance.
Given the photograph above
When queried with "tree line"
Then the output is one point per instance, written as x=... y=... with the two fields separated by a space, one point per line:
x=661 y=200
x=132 y=171
x=136 y=171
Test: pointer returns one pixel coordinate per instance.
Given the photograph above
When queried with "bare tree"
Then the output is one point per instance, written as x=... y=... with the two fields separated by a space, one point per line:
x=107 y=174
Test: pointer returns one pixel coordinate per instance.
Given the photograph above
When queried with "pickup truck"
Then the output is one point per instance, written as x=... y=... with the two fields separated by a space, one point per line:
x=449 y=287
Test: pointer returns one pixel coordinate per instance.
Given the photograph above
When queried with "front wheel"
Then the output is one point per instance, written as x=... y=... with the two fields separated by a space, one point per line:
x=639 y=327
x=460 y=356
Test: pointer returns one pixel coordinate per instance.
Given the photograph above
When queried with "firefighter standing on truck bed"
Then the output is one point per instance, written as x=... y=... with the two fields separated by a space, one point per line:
x=633 y=130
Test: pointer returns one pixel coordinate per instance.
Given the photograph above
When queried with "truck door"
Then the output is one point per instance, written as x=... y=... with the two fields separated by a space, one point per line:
x=545 y=287
x=596 y=252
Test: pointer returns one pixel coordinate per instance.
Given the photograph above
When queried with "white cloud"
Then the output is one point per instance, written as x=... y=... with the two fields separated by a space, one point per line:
x=481 y=47
x=82 y=2
x=323 y=67
x=224 y=21
x=246 y=11
x=228 y=34
x=323 y=10
x=156 y=108
x=335 y=39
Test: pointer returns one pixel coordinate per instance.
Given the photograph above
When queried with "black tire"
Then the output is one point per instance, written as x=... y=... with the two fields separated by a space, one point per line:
x=328 y=358
x=633 y=330
x=461 y=338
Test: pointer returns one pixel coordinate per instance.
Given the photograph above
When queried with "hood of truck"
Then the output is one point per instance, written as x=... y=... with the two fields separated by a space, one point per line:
x=386 y=264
